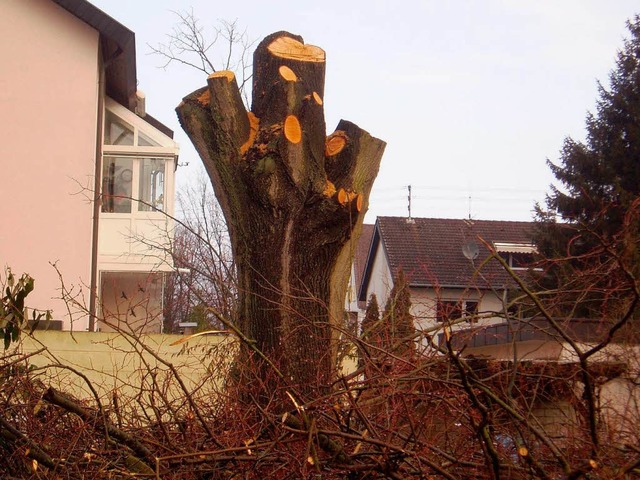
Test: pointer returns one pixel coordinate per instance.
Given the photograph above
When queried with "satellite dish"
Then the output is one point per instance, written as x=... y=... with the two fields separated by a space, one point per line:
x=470 y=250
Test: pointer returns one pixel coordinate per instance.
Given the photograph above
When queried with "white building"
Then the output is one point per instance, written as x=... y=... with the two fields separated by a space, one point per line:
x=440 y=259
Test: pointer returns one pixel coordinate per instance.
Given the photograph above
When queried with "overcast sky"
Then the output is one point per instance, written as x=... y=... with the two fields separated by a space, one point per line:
x=471 y=97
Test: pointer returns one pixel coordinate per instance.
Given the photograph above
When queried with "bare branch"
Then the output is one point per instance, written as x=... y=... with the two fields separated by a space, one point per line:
x=224 y=46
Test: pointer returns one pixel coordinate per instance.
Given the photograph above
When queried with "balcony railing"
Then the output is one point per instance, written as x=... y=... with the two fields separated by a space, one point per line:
x=520 y=330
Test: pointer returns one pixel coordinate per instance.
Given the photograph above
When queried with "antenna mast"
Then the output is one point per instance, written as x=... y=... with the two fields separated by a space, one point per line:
x=409 y=203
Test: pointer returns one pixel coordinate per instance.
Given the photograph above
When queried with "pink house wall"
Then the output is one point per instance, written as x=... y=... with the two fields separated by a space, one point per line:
x=48 y=118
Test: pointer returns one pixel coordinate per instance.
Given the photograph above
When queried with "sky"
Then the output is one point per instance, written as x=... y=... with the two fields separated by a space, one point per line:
x=472 y=97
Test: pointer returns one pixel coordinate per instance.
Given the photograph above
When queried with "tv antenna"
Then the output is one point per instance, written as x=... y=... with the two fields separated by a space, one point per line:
x=409 y=219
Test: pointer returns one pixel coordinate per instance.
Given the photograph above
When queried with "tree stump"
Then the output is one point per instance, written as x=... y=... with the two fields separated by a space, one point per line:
x=293 y=198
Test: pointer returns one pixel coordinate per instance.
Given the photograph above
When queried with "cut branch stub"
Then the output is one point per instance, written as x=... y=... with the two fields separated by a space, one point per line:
x=227 y=110
x=306 y=62
x=335 y=143
x=342 y=197
x=329 y=190
x=292 y=129
x=293 y=199
x=288 y=74
x=293 y=48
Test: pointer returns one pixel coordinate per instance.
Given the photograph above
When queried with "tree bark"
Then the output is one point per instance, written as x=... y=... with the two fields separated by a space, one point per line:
x=293 y=198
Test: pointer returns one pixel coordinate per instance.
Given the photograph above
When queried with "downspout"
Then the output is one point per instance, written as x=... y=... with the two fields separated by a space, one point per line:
x=96 y=199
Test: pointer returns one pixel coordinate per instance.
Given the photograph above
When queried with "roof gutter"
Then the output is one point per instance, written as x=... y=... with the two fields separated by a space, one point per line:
x=430 y=285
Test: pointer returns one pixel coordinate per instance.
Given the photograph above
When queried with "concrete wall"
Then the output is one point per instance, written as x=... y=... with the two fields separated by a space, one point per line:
x=558 y=419
x=527 y=350
x=618 y=398
x=115 y=363
x=620 y=404
x=48 y=118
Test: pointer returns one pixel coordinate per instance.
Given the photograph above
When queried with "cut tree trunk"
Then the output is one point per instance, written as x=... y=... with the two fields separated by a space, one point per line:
x=293 y=198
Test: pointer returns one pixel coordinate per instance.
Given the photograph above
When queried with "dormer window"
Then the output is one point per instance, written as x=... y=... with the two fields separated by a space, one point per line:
x=519 y=256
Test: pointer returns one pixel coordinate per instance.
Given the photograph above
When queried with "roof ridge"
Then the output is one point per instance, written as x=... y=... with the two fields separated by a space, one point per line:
x=453 y=219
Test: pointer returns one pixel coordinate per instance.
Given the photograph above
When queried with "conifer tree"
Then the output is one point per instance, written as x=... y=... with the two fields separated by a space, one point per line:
x=601 y=177
x=371 y=323
x=397 y=318
x=371 y=332
x=600 y=181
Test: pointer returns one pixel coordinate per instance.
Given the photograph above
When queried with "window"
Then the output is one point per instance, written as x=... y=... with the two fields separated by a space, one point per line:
x=471 y=311
x=117 y=176
x=521 y=260
x=517 y=260
x=449 y=310
x=144 y=141
x=117 y=131
x=151 y=188
x=137 y=160
x=127 y=178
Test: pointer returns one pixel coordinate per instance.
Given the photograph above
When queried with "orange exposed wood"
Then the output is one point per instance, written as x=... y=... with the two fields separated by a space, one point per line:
x=329 y=189
x=335 y=143
x=288 y=74
x=342 y=197
x=205 y=98
x=254 y=123
x=360 y=202
x=292 y=129
x=345 y=197
x=228 y=74
x=287 y=47
x=317 y=98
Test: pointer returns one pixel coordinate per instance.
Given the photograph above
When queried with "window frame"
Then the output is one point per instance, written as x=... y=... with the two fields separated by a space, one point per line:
x=166 y=150
x=456 y=309
x=136 y=201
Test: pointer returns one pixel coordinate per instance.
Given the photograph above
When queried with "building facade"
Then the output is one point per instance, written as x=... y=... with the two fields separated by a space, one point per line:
x=87 y=174
x=447 y=263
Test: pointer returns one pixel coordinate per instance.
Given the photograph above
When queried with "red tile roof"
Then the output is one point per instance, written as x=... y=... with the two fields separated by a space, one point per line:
x=430 y=250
